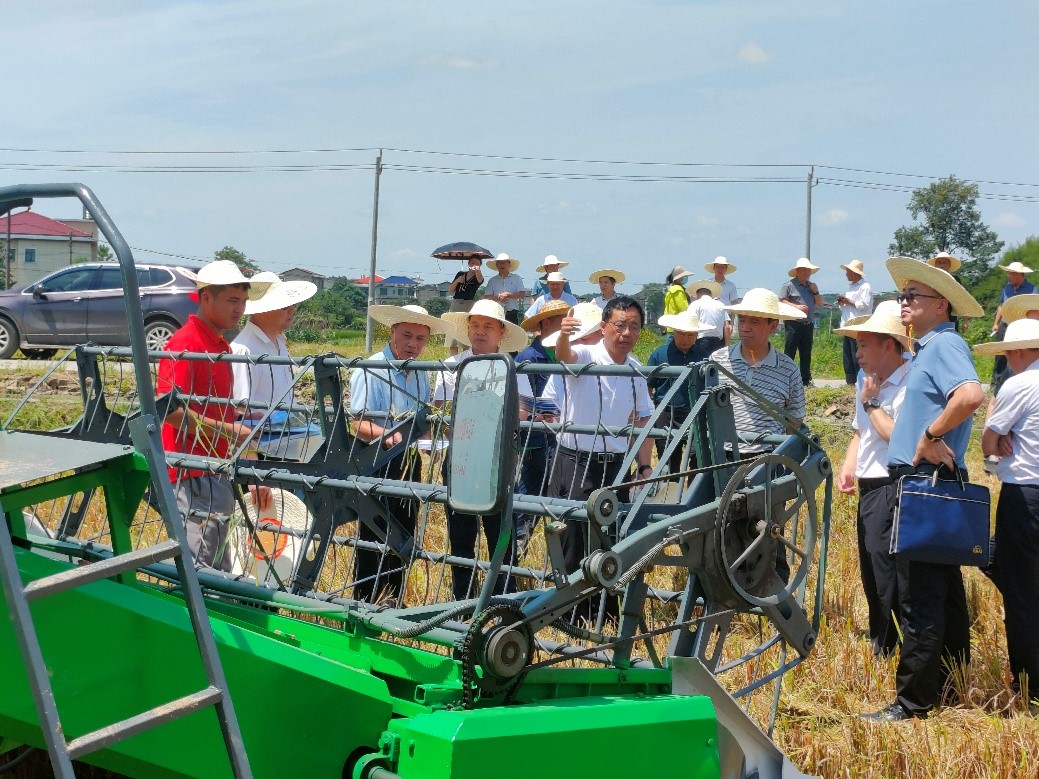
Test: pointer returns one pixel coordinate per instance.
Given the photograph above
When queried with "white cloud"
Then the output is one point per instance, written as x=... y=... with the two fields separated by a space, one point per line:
x=703 y=220
x=754 y=54
x=1007 y=219
x=451 y=61
x=833 y=217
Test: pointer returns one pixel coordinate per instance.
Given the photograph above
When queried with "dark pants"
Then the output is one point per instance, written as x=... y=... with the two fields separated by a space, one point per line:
x=851 y=359
x=673 y=417
x=513 y=316
x=799 y=341
x=710 y=343
x=1017 y=566
x=532 y=481
x=376 y=572
x=877 y=565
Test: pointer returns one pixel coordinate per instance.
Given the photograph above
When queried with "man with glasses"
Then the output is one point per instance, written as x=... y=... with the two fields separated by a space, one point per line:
x=932 y=430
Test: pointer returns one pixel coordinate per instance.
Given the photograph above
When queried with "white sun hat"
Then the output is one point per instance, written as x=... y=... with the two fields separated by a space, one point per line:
x=504 y=257
x=416 y=315
x=223 y=273
x=279 y=294
x=271 y=551
x=686 y=322
x=555 y=276
x=886 y=319
x=954 y=262
x=678 y=272
x=551 y=260
x=591 y=320
x=765 y=303
x=1016 y=267
x=515 y=337
x=802 y=262
x=906 y=269
x=616 y=275
x=1019 y=306
x=729 y=267
x=710 y=285
x=1021 y=334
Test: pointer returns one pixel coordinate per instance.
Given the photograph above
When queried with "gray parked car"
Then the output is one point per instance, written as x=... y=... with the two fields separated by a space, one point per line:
x=84 y=303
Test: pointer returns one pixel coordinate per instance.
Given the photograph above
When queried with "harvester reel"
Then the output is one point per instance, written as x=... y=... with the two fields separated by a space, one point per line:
x=747 y=541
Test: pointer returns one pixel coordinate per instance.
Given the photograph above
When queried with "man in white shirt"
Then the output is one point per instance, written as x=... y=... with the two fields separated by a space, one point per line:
x=506 y=288
x=856 y=303
x=711 y=313
x=881 y=344
x=607 y=279
x=726 y=289
x=555 y=282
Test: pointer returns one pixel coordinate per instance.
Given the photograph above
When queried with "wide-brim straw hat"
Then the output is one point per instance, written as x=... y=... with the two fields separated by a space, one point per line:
x=279 y=294
x=1018 y=307
x=802 y=262
x=591 y=320
x=514 y=339
x=224 y=273
x=906 y=269
x=412 y=314
x=686 y=322
x=729 y=267
x=1021 y=334
x=616 y=275
x=765 y=303
x=954 y=262
x=678 y=272
x=886 y=319
x=855 y=266
x=555 y=276
x=709 y=284
x=1016 y=267
x=551 y=260
x=283 y=549
x=550 y=309
x=504 y=256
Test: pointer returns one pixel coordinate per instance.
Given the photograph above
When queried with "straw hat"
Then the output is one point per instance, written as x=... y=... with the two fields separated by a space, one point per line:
x=551 y=260
x=416 y=315
x=678 y=272
x=550 y=309
x=282 y=549
x=906 y=269
x=221 y=273
x=616 y=275
x=729 y=267
x=1016 y=267
x=1021 y=334
x=765 y=303
x=954 y=262
x=708 y=284
x=555 y=276
x=1018 y=307
x=802 y=262
x=885 y=320
x=591 y=320
x=686 y=322
x=504 y=256
x=855 y=266
x=515 y=337
x=279 y=294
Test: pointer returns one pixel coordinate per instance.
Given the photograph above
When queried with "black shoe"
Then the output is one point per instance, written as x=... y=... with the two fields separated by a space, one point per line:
x=893 y=713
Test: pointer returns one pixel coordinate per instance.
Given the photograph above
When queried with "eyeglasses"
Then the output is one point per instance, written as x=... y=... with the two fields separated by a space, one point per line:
x=625 y=327
x=909 y=297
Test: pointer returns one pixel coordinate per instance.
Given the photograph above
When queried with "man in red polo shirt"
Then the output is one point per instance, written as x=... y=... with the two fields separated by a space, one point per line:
x=207 y=429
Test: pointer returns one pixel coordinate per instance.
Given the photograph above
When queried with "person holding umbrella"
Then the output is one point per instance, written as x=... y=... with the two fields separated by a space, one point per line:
x=466 y=282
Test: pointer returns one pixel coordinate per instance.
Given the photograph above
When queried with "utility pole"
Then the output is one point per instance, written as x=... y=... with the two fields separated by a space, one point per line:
x=371 y=269
x=7 y=254
x=808 y=215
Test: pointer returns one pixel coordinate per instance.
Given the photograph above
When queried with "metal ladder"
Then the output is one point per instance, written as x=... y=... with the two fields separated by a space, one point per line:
x=96 y=463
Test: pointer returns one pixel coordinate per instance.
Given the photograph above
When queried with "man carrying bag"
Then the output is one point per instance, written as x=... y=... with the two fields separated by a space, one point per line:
x=933 y=430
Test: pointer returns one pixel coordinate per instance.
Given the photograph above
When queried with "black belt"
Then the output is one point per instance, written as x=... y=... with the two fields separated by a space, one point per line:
x=595 y=457
x=865 y=485
x=898 y=471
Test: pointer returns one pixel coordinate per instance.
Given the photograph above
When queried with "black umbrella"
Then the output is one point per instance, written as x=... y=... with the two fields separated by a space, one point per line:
x=461 y=250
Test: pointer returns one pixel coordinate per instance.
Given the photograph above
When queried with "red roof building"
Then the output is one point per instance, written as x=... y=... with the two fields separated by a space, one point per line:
x=40 y=245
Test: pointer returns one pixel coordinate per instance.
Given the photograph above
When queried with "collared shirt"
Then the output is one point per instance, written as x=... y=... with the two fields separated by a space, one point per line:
x=871 y=462
x=535 y=307
x=600 y=301
x=861 y=297
x=1017 y=411
x=444 y=390
x=537 y=354
x=196 y=377
x=511 y=283
x=269 y=384
x=728 y=294
x=794 y=290
x=711 y=313
x=613 y=401
x=1009 y=290
x=668 y=353
x=775 y=377
x=387 y=390
x=541 y=287
x=942 y=364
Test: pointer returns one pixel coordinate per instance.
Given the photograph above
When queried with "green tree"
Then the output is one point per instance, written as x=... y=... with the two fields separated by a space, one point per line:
x=105 y=253
x=247 y=266
x=949 y=222
x=438 y=306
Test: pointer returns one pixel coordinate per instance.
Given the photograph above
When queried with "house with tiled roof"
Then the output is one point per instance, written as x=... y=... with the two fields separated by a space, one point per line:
x=391 y=289
x=304 y=274
x=40 y=245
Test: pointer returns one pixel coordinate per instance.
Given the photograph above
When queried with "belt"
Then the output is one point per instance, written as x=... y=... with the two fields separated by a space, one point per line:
x=595 y=457
x=898 y=471
x=865 y=485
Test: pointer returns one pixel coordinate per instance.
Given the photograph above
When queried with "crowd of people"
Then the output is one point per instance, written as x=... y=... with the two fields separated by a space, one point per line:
x=916 y=387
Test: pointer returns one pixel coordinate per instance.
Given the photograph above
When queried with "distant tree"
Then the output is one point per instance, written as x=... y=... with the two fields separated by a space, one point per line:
x=438 y=306
x=247 y=266
x=105 y=253
x=950 y=222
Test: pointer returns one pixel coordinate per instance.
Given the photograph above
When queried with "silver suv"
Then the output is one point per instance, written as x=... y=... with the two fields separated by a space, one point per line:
x=84 y=303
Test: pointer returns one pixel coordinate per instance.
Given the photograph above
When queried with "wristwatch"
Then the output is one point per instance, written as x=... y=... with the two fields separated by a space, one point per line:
x=871 y=403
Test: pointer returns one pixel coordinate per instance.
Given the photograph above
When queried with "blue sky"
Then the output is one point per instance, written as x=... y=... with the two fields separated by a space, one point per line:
x=925 y=88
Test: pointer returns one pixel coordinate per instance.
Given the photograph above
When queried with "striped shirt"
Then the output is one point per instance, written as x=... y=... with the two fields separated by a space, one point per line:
x=775 y=377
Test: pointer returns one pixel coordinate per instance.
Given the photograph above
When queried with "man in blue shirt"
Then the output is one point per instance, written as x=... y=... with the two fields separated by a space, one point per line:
x=1016 y=285
x=803 y=294
x=932 y=430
